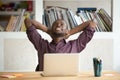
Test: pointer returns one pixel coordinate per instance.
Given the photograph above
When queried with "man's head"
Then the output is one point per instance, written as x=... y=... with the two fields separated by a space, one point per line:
x=59 y=28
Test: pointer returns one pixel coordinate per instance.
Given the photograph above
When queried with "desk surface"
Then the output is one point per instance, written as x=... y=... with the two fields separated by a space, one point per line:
x=106 y=75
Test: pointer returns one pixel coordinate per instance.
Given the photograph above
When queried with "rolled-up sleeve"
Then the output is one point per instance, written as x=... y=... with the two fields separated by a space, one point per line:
x=84 y=38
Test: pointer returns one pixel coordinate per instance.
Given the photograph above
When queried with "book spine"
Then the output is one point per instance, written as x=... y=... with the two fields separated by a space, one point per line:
x=30 y=6
x=20 y=21
x=86 y=9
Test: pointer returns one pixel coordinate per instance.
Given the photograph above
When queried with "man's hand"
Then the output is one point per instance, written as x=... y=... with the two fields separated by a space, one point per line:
x=92 y=24
x=67 y=34
x=28 y=22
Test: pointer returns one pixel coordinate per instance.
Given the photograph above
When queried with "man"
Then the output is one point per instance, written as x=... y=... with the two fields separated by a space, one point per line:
x=58 y=33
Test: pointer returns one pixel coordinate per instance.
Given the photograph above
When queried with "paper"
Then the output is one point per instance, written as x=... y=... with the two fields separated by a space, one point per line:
x=11 y=75
x=109 y=74
x=7 y=76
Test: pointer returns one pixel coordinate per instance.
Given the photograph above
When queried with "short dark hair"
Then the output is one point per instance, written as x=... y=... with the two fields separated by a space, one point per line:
x=61 y=20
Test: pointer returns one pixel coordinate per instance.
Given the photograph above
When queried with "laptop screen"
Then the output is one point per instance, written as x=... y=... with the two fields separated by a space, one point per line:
x=61 y=64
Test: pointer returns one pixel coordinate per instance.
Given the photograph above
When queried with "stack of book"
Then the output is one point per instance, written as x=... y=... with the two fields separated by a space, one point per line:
x=101 y=17
x=14 y=23
x=15 y=5
x=53 y=13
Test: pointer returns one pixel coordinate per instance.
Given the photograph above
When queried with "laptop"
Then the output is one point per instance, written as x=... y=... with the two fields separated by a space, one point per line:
x=61 y=64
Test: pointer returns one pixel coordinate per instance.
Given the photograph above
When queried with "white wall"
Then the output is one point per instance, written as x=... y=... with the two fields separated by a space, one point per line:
x=116 y=21
x=102 y=48
x=19 y=55
x=1 y=54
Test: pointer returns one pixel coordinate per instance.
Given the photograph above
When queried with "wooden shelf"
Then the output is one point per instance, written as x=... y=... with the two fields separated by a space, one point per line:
x=12 y=13
x=21 y=35
x=97 y=35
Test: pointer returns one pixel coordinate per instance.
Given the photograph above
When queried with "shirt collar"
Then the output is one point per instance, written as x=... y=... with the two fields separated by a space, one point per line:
x=61 y=41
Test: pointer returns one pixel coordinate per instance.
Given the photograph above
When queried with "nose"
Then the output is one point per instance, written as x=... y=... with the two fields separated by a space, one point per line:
x=59 y=25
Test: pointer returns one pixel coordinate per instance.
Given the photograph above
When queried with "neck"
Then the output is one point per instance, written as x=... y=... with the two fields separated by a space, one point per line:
x=57 y=40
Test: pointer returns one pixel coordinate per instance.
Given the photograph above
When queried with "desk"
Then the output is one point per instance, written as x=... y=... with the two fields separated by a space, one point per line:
x=106 y=75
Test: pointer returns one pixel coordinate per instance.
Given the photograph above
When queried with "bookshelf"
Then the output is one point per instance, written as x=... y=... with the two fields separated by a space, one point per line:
x=44 y=3
x=74 y=4
x=16 y=10
x=37 y=12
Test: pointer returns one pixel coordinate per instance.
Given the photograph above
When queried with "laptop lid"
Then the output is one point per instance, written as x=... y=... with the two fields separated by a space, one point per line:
x=61 y=64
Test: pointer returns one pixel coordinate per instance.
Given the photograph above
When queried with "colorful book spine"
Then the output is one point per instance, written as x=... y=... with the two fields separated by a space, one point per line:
x=86 y=9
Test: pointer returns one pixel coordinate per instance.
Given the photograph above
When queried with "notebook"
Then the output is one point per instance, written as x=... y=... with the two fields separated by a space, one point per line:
x=61 y=64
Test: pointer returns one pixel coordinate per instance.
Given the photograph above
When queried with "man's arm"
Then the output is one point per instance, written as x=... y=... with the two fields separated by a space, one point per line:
x=29 y=22
x=82 y=26
x=33 y=34
x=40 y=26
x=85 y=36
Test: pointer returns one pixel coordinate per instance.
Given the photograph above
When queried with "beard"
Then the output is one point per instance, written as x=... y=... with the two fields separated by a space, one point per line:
x=58 y=34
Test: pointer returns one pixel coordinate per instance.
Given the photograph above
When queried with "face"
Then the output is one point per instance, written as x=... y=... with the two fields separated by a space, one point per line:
x=59 y=28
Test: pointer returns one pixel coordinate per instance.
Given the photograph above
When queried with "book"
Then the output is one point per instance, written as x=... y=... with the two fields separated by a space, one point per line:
x=99 y=22
x=45 y=18
x=10 y=23
x=105 y=25
x=65 y=17
x=70 y=20
x=107 y=19
x=23 y=27
x=73 y=18
x=86 y=9
x=83 y=16
x=30 y=5
x=48 y=18
x=4 y=20
x=78 y=19
x=20 y=20
x=1 y=28
x=101 y=17
x=53 y=13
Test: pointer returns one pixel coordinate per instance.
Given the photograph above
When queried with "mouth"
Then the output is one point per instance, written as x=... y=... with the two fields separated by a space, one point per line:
x=58 y=29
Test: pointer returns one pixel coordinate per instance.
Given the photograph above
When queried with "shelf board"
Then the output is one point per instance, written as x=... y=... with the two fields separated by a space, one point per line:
x=103 y=35
x=18 y=35
x=97 y=35
x=12 y=13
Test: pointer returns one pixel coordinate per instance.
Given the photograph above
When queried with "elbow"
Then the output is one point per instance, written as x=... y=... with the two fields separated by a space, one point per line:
x=27 y=22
